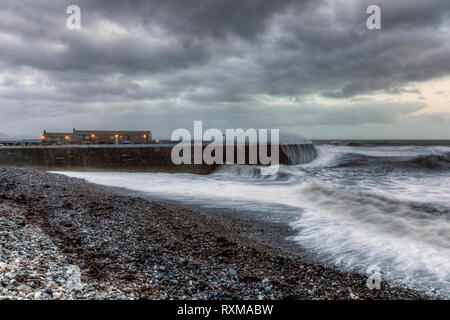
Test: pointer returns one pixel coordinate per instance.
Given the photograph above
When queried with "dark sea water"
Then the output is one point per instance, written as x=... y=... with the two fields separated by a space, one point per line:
x=360 y=203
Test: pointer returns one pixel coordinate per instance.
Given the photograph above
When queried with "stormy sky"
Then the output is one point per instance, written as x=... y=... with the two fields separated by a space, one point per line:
x=310 y=68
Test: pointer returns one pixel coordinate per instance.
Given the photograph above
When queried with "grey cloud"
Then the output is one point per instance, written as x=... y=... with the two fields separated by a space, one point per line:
x=312 y=49
x=199 y=19
x=410 y=14
x=370 y=112
x=404 y=90
x=432 y=118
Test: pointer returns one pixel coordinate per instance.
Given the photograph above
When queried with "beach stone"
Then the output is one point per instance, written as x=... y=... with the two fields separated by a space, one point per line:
x=57 y=295
x=9 y=276
x=232 y=272
x=3 y=267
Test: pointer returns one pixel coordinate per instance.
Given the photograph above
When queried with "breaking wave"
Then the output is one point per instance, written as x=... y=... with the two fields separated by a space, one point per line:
x=297 y=153
x=426 y=162
x=353 y=230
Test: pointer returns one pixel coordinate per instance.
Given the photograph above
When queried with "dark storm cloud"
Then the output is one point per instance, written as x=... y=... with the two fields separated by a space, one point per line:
x=197 y=18
x=349 y=60
x=219 y=59
x=190 y=30
x=407 y=13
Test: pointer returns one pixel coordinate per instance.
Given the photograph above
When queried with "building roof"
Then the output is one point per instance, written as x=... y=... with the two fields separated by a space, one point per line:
x=19 y=140
x=97 y=132
x=57 y=134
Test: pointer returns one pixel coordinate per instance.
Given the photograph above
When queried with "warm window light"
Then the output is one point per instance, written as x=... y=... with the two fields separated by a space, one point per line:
x=145 y=136
x=43 y=137
x=116 y=136
x=157 y=141
x=67 y=137
x=92 y=136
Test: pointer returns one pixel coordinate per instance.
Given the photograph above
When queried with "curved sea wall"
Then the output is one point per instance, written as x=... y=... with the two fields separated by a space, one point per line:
x=297 y=153
x=153 y=158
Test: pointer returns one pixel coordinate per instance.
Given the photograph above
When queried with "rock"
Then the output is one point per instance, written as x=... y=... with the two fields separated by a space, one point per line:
x=3 y=267
x=57 y=295
x=9 y=276
x=232 y=272
x=194 y=262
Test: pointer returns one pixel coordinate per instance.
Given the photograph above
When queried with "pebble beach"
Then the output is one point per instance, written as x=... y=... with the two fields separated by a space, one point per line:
x=64 y=238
